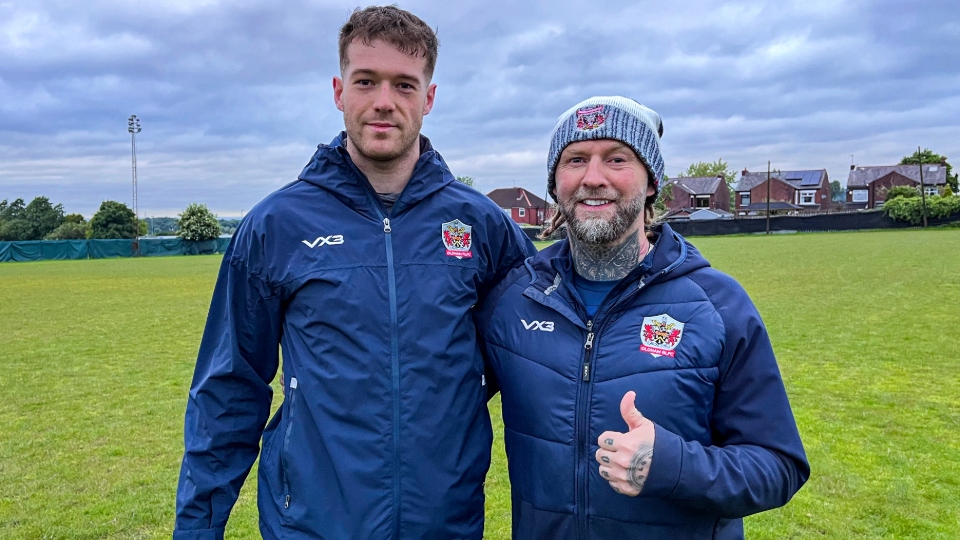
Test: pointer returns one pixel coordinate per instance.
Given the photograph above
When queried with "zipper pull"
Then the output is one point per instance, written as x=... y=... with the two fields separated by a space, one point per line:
x=286 y=502
x=386 y=225
x=589 y=344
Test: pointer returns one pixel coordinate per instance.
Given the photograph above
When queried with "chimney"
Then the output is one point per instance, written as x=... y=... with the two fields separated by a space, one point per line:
x=745 y=171
x=853 y=167
x=721 y=176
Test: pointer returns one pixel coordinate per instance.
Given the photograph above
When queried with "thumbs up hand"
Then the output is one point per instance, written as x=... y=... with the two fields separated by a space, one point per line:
x=625 y=458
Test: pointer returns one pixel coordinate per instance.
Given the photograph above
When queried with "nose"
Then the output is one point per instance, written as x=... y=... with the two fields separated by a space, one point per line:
x=593 y=176
x=384 y=99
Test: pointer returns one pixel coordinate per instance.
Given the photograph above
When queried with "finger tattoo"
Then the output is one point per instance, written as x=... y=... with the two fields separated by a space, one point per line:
x=608 y=442
x=640 y=467
x=605 y=459
x=605 y=474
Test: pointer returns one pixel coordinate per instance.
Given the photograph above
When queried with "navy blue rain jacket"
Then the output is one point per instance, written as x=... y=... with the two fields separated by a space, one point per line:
x=691 y=344
x=384 y=431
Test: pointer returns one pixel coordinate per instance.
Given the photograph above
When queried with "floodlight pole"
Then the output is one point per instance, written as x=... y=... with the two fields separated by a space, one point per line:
x=133 y=126
x=923 y=192
x=768 y=197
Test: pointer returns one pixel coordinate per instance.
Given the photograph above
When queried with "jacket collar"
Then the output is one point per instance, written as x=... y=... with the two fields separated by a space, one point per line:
x=551 y=272
x=332 y=169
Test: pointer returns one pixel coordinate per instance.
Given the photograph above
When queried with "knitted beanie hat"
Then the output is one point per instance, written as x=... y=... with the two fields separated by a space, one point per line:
x=610 y=117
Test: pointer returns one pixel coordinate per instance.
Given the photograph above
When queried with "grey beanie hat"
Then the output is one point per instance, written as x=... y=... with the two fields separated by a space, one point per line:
x=609 y=117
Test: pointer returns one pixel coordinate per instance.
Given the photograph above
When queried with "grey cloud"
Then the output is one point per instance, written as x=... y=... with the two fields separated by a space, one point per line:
x=234 y=96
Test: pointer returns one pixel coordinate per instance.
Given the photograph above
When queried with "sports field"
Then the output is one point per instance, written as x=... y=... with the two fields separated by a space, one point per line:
x=96 y=358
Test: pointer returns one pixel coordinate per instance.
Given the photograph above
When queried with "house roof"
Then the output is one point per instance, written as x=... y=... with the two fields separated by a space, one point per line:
x=516 y=197
x=710 y=213
x=697 y=185
x=811 y=179
x=933 y=174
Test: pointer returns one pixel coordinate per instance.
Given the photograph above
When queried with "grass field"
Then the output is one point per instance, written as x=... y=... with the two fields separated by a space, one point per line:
x=97 y=355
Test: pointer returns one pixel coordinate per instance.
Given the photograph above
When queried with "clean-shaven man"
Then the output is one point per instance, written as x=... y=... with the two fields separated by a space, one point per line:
x=366 y=270
x=641 y=396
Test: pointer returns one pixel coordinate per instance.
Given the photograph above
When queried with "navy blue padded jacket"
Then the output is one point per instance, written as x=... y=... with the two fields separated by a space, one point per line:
x=689 y=341
x=384 y=431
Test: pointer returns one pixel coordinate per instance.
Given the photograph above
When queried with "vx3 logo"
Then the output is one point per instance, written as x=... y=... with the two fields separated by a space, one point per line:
x=333 y=240
x=546 y=326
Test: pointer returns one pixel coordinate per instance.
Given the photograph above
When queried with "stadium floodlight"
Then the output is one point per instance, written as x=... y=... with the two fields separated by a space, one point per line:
x=133 y=126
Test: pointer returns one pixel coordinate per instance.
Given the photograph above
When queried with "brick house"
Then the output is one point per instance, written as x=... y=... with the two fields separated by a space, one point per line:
x=867 y=187
x=695 y=193
x=798 y=190
x=522 y=206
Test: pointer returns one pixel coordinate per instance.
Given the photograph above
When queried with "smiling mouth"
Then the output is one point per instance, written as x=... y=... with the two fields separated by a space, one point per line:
x=595 y=202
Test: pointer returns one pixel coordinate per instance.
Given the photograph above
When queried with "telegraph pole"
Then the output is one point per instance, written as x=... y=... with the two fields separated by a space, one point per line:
x=923 y=192
x=768 y=197
x=133 y=126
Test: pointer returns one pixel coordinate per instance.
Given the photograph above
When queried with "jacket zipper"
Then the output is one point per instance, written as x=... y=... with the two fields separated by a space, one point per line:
x=582 y=430
x=395 y=370
x=286 y=440
x=584 y=396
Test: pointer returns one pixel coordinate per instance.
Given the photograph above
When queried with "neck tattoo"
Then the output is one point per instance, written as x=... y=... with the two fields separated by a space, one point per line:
x=608 y=262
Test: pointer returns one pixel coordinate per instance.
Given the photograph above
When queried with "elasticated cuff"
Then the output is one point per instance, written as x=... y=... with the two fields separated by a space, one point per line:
x=666 y=466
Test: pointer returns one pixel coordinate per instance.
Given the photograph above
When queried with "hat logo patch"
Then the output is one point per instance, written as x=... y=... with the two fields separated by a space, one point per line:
x=660 y=335
x=457 y=238
x=590 y=118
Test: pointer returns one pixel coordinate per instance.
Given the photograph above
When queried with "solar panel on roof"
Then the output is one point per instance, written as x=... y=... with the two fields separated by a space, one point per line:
x=810 y=178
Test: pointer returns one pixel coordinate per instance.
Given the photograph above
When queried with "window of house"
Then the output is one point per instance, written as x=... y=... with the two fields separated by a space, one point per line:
x=931 y=190
x=703 y=201
x=808 y=197
x=522 y=212
x=859 y=195
x=744 y=199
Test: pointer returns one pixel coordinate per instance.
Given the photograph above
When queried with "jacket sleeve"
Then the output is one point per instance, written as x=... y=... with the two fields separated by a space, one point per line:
x=756 y=461
x=508 y=252
x=230 y=396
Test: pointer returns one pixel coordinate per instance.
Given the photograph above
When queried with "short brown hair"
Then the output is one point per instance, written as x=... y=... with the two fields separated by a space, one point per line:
x=400 y=28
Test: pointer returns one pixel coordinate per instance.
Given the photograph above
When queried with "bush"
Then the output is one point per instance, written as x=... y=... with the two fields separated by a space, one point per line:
x=68 y=231
x=198 y=223
x=947 y=192
x=902 y=191
x=910 y=209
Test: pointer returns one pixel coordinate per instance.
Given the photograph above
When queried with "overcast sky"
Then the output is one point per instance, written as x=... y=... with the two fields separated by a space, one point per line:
x=234 y=96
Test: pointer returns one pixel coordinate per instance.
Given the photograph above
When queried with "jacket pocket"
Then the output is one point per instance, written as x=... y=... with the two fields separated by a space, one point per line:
x=291 y=413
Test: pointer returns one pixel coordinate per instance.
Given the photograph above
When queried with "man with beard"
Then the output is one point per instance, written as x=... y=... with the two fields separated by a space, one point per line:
x=622 y=317
x=366 y=270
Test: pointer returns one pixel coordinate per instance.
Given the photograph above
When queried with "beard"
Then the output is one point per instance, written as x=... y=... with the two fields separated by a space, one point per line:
x=601 y=230
x=386 y=147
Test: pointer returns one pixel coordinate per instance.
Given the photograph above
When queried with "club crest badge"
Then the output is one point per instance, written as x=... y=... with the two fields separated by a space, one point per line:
x=457 y=238
x=589 y=118
x=660 y=335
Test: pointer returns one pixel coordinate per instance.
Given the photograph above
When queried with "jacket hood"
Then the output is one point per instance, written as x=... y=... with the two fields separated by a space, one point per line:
x=332 y=169
x=673 y=257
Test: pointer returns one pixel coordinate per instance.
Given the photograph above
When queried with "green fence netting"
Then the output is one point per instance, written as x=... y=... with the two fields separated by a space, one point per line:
x=41 y=250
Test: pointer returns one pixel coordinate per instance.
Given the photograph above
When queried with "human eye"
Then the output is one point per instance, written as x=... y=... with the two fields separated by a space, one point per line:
x=364 y=82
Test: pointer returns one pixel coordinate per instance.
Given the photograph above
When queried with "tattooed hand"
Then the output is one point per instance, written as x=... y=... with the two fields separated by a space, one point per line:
x=625 y=458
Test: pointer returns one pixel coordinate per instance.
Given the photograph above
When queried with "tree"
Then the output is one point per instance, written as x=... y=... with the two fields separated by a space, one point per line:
x=30 y=222
x=928 y=157
x=113 y=220
x=12 y=225
x=43 y=217
x=74 y=218
x=837 y=192
x=705 y=168
x=198 y=223
x=466 y=180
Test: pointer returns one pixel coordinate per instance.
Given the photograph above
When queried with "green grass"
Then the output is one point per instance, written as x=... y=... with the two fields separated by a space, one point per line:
x=97 y=356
